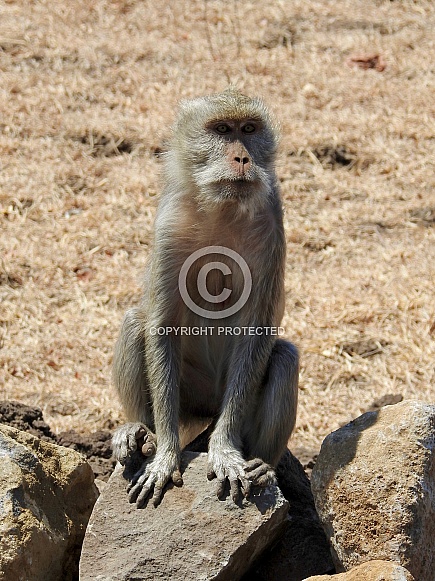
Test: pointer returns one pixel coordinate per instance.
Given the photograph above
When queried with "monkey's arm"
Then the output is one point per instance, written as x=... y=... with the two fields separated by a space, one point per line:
x=163 y=368
x=162 y=361
x=225 y=448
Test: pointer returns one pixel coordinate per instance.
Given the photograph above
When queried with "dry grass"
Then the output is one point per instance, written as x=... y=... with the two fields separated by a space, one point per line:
x=88 y=91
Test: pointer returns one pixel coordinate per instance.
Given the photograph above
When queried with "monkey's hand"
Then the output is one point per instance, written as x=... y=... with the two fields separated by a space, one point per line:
x=226 y=463
x=154 y=473
x=131 y=437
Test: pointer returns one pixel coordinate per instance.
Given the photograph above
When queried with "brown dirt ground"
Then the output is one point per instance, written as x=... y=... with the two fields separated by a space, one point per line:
x=87 y=94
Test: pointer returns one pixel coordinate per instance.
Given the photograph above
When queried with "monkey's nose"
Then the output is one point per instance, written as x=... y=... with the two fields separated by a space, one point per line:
x=242 y=164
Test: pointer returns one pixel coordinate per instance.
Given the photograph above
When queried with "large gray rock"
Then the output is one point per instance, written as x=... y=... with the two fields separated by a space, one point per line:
x=370 y=571
x=374 y=489
x=303 y=550
x=190 y=535
x=46 y=497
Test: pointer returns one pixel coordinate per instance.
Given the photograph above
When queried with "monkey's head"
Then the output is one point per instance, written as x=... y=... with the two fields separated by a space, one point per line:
x=225 y=146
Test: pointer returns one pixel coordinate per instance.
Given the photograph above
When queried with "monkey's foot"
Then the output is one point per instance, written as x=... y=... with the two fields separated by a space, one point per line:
x=228 y=465
x=259 y=473
x=154 y=474
x=131 y=437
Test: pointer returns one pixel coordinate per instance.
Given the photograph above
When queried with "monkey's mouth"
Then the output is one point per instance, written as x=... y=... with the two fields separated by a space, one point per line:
x=237 y=185
x=239 y=181
x=238 y=189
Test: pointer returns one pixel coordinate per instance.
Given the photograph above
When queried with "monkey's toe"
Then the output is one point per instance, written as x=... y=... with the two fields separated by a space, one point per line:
x=132 y=437
x=138 y=479
x=235 y=483
x=151 y=480
x=228 y=467
x=149 y=445
x=177 y=479
x=260 y=473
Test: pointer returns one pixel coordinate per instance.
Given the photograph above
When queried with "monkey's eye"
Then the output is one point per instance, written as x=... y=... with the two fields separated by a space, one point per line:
x=222 y=128
x=249 y=128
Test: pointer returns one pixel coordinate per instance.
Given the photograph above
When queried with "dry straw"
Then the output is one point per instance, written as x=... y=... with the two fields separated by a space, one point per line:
x=88 y=91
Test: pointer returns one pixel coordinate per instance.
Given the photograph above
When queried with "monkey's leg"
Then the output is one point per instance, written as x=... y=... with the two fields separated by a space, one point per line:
x=131 y=382
x=272 y=416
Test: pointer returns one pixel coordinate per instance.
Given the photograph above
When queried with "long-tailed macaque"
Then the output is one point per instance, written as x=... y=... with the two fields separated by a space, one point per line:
x=202 y=346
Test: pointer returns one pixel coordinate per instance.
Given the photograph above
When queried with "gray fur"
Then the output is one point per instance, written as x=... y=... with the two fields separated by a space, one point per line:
x=247 y=384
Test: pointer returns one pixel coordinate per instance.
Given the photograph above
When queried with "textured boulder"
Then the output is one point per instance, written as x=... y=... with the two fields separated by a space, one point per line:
x=96 y=447
x=191 y=535
x=374 y=489
x=46 y=497
x=303 y=549
x=370 y=571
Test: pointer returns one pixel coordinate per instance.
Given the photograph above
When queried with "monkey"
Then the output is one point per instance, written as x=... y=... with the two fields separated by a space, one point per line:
x=220 y=202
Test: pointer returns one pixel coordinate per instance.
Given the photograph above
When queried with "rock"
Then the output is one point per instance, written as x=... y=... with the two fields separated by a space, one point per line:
x=97 y=447
x=192 y=534
x=370 y=571
x=374 y=489
x=307 y=457
x=25 y=418
x=304 y=549
x=46 y=497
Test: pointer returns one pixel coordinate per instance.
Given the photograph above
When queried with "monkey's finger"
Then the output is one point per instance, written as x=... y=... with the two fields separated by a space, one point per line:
x=144 y=494
x=211 y=474
x=235 y=490
x=133 y=482
x=158 y=491
x=220 y=488
x=177 y=479
x=134 y=491
x=246 y=485
x=140 y=477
